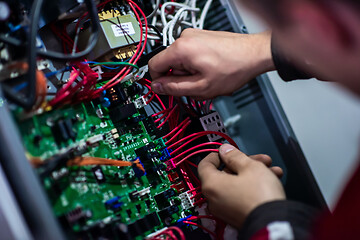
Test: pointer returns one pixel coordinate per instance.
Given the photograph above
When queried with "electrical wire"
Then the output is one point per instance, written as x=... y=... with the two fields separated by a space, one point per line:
x=93 y=64
x=195 y=136
x=181 y=130
x=157 y=4
x=88 y=161
x=29 y=100
x=168 y=117
x=204 y=14
x=195 y=153
x=90 y=4
x=196 y=147
x=177 y=128
x=202 y=227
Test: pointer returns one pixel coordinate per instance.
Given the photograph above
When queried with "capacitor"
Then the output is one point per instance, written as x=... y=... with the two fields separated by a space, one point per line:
x=105 y=102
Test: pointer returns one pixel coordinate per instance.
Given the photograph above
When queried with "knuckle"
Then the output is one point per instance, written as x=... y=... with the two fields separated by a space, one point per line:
x=183 y=46
x=187 y=32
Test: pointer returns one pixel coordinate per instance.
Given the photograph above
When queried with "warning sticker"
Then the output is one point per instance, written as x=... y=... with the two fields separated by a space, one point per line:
x=123 y=29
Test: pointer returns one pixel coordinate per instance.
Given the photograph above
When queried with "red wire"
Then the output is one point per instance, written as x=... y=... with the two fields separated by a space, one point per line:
x=182 y=129
x=192 y=164
x=160 y=101
x=195 y=189
x=200 y=202
x=151 y=98
x=164 y=115
x=175 y=129
x=174 y=120
x=201 y=134
x=147 y=80
x=157 y=96
x=202 y=227
x=195 y=153
x=178 y=230
x=148 y=93
x=195 y=147
x=168 y=116
x=161 y=112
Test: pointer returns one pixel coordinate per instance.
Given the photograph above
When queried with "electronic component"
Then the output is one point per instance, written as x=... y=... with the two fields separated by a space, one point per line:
x=114 y=204
x=121 y=113
x=63 y=131
x=117 y=36
x=96 y=134
x=99 y=174
x=186 y=201
x=162 y=199
x=116 y=95
x=140 y=102
x=76 y=216
x=168 y=212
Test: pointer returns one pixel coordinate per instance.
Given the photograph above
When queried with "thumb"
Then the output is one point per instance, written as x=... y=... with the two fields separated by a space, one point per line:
x=233 y=158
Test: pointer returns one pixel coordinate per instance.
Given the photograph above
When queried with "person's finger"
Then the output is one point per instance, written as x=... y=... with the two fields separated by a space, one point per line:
x=161 y=63
x=208 y=167
x=277 y=171
x=177 y=86
x=233 y=158
x=173 y=57
x=266 y=159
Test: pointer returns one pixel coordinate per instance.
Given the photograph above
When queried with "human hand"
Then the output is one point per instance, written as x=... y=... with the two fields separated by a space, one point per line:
x=206 y=64
x=246 y=184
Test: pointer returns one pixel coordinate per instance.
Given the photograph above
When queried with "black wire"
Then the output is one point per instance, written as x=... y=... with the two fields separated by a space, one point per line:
x=91 y=6
x=10 y=40
x=28 y=101
x=156 y=30
x=55 y=162
x=197 y=107
x=12 y=95
x=207 y=106
x=189 y=103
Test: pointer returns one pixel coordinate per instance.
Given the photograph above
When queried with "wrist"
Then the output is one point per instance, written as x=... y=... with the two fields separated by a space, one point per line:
x=265 y=59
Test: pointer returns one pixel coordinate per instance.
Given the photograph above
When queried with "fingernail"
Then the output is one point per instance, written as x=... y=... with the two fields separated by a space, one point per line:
x=157 y=87
x=225 y=148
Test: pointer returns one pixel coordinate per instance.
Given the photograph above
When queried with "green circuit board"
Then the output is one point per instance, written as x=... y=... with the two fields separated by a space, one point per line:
x=87 y=198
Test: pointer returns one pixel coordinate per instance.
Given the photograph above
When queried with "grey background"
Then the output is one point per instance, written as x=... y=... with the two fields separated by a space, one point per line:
x=325 y=119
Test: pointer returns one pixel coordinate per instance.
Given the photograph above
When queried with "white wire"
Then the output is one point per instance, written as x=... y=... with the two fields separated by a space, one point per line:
x=176 y=19
x=150 y=37
x=193 y=14
x=165 y=31
x=204 y=14
x=163 y=14
x=156 y=7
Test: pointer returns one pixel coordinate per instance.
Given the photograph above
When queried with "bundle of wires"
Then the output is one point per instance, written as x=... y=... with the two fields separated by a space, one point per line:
x=81 y=85
x=172 y=17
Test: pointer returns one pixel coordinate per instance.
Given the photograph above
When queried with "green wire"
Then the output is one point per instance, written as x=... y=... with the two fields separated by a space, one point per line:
x=116 y=63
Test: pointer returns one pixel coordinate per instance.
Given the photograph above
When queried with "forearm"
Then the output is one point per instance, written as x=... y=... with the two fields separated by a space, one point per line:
x=286 y=219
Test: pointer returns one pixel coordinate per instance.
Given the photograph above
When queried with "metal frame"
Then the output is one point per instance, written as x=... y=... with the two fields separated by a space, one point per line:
x=29 y=195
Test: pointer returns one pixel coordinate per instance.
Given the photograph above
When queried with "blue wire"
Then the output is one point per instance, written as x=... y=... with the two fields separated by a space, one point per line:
x=20 y=86
x=50 y=74
x=92 y=62
x=14 y=28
